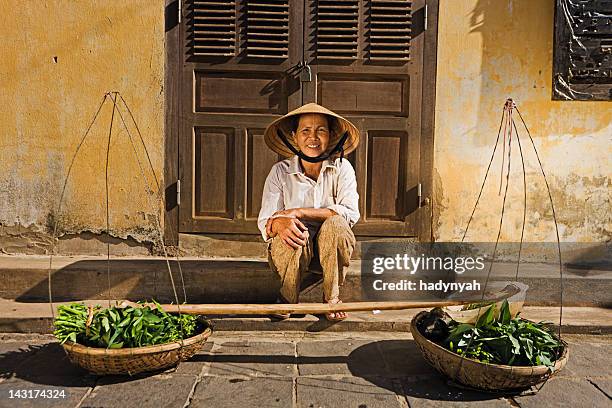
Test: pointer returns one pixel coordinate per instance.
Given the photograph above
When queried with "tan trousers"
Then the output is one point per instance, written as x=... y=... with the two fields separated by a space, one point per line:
x=335 y=243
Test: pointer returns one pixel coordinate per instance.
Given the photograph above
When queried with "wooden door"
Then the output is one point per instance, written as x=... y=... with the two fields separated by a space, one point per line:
x=238 y=76
x=241 y=69
x=367 y=59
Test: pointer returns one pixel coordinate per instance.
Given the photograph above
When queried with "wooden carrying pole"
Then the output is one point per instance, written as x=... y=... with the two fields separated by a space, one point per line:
x=303 y=308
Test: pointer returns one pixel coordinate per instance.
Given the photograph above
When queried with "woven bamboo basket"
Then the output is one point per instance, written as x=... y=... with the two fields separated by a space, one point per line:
x=135 y=360
x=475 y=374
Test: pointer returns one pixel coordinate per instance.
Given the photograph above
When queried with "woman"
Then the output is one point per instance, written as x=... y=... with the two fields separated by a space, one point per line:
x=310 y=200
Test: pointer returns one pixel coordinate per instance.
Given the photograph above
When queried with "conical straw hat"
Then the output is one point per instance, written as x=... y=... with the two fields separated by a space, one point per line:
x=284 y=125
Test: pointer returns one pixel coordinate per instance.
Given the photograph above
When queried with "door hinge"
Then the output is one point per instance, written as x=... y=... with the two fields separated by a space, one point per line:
x=180 y=10
x=425 y=18
x=419 y=194
x=178 y=192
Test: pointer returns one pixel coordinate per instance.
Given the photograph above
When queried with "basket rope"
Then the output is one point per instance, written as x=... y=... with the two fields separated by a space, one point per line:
x=59 y=206
x=114 y=97
x=508 y=123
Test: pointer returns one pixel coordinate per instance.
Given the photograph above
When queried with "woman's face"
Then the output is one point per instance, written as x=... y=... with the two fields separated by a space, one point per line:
x=312 y=135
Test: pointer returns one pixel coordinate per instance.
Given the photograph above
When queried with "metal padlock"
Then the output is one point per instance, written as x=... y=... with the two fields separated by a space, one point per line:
x=305 y=73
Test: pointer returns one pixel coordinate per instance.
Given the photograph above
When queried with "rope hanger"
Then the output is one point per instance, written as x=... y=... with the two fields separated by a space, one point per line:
x=118 y=103
x=509 y=131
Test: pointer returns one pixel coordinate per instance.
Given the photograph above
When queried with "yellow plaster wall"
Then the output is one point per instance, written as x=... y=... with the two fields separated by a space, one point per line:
x=489 y=50
x=58 y=59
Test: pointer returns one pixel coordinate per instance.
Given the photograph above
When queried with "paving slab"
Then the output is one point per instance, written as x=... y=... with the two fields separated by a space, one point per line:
x=232 y=392
x=157 y=391
x=345 y=392
x=51 y=359
x=252 y=358
x=340 y=357
x=195 y=364
x=13 y=354
x=403 y=358
x=603 y=384
x=566 y=392
x=436 y=392
x=293 y=369
x=586 y=359
x=43 y=392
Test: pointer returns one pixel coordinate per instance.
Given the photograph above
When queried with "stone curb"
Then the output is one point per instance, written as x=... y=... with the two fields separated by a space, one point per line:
x=577 y=320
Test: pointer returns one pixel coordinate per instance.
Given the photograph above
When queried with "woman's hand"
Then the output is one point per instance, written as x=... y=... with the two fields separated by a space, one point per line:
x=291 y=231
x=291 y=213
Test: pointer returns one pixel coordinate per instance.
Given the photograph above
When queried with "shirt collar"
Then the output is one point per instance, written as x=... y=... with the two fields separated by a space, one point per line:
x=295 y=168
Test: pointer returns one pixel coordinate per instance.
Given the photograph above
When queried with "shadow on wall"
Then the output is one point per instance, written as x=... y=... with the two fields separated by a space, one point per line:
x=510 y=38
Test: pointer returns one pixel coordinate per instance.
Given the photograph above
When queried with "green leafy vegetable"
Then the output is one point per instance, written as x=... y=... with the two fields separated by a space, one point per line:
x=121 y=327
x=504 y=340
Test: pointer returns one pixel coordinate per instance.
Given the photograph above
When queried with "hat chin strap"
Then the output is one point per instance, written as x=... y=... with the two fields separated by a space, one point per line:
x=323 y=156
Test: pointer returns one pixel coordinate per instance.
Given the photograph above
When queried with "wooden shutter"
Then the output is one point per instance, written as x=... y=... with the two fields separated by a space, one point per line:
x=388 y=30
x=337 y=23
x=213 y=28
x=267 y=29
x=240 y=69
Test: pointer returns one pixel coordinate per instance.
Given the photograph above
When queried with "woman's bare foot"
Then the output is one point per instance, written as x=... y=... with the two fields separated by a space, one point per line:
x=280 y=316
x=335 y=316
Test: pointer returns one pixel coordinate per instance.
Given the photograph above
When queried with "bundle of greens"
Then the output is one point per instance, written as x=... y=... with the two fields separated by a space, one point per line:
x=499 y=340
x=116 y=327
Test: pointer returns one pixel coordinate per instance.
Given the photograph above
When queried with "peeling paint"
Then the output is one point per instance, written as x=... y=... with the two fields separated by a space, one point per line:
x=53 y=76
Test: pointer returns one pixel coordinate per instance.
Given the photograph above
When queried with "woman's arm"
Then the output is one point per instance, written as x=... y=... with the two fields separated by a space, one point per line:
x=309 y=214
x=271 y=202
x=347 y=198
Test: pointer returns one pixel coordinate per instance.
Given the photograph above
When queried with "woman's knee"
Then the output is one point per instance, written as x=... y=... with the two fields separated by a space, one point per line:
x=335 y=227
x=336 y=231
x=334 y=224
x=282 y=254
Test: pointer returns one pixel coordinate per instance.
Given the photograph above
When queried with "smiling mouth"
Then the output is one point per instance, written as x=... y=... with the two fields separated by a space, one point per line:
x=313 y=146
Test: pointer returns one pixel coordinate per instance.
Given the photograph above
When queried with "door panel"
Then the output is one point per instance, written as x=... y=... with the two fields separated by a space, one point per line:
x=240 y=92
x=214 y=173
x=240 y=72
x=260 y=161
x=365 y=95
x=385 y=176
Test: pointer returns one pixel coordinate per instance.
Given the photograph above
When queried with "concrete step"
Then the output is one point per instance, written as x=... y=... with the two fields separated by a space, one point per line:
x=18 y=317
x=239 y=280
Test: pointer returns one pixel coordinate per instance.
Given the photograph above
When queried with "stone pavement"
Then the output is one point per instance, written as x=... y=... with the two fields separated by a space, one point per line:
x=291 y=369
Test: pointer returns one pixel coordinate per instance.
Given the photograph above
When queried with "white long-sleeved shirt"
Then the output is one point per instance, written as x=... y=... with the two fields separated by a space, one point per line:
x=287 y=187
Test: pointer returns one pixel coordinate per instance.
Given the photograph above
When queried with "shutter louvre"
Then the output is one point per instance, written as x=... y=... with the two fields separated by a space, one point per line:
x=337 y=25
x=267 y=29
x=213 y=28
x=389 y=30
